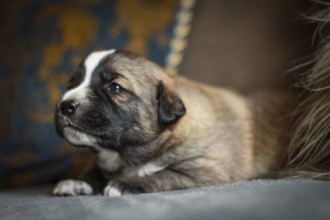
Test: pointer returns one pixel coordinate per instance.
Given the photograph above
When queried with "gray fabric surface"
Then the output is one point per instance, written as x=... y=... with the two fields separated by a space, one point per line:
x=260 y=199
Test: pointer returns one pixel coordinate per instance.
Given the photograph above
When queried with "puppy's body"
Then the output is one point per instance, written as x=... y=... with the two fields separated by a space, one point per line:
x=166 y=133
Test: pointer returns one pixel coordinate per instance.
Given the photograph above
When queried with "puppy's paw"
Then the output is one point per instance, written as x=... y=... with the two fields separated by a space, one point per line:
x=116 y=188
x=72 y=188
x=113 y=189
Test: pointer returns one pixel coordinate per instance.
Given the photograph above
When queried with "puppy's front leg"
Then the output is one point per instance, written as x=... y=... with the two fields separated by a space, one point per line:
x=71 y=187
x=91 y=182
x=165 y=180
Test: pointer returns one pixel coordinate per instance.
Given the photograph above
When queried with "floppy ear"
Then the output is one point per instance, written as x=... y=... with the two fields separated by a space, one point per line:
x=170 y=106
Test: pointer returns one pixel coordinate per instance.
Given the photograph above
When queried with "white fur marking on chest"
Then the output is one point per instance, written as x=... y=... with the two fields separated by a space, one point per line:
x=108 y=160
x=90 y=64
x=149 y=169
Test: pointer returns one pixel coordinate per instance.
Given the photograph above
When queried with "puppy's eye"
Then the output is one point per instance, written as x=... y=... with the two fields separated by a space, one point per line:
x=114 y=87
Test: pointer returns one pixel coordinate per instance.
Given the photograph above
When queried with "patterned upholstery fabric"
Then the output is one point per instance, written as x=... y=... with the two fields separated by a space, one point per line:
x=42 y=42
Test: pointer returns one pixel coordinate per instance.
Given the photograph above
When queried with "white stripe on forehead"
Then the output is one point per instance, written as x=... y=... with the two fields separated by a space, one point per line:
x=90 y=64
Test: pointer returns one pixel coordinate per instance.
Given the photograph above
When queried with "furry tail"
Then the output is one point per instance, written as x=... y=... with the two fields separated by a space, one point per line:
x=309 y=150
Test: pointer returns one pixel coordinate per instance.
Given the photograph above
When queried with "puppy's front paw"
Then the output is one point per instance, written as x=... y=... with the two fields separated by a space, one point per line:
x=113 y=189
x=72 y=188
x=117 y=188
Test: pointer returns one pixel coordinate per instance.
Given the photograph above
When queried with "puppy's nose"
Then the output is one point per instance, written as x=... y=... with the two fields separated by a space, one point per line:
x=68 y=107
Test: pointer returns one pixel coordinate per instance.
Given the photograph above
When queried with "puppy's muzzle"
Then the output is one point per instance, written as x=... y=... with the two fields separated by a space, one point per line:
x=69 y=107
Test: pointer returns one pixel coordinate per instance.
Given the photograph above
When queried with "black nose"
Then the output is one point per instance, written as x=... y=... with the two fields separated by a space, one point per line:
x=68 y=107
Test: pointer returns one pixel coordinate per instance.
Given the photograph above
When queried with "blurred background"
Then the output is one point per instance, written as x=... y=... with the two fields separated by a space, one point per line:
x=246 y=45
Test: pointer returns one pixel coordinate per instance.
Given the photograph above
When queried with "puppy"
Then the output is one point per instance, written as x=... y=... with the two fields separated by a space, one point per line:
x=151 y=132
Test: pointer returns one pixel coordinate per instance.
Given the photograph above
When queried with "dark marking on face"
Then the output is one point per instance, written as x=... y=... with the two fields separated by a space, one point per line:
x=124 y=105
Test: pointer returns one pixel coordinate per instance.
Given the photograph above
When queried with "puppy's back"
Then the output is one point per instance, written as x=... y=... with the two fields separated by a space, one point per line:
x=240 y=137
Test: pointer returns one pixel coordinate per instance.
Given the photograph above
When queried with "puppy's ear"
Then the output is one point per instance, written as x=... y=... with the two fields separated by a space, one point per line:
x=170 y=106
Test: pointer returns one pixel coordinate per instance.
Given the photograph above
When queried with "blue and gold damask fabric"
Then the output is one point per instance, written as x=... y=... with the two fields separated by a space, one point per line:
x=41 y=43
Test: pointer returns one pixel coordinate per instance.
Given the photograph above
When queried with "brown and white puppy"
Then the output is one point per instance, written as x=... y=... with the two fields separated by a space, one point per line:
x=152 y=132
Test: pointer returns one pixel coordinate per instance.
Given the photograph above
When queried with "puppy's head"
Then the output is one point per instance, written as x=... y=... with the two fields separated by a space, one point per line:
x=116 y=99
